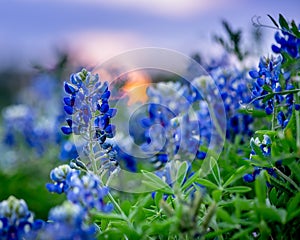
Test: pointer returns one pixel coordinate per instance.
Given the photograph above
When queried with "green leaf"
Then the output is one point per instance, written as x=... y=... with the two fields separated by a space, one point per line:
x=111 y=233
x=236 y=175
x=254 y=112
x=268 y=97
x=259 y=161
x=127 y=230
x=157 y=198
x=273 y=196
x=272 y=214
x=293 y=215
x=261 y=188
x=273 y=20
x=98 y=216
x=243 y=234
x=190 y=180
x=181 y=173
x=223 y=215
x=290 y=130
x=283 y=23
x=126 y=206
x=270 y=133
x=238 y=189
x=294 y=204
x=207 y=183
x=295 y=29
x=156 y=183
x=161 y=228
x=267 y=88
x=215 y=170
x=295 y=168
x=217 y=195
x=219 y=232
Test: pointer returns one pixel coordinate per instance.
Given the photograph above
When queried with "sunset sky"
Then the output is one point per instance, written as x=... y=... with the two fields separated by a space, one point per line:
x=94 y=30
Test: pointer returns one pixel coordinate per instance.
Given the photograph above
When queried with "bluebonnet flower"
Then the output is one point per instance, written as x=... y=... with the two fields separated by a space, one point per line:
x=21 y=125
x=267 y=80
x=67 y=221
x=267 y=77
x=84 y=190
x=59 y=176
x=89 y=113
x=68 y=151
x=168 y=129
x=263 y=148
x=287 y=43
x=88 y=102
x=234 y=90
x=130 y=161
x=16 y=221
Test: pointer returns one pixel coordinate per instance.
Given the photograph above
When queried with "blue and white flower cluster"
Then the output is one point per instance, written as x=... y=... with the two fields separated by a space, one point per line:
x=288 y=43
x=87 y=101
x=67 y=221
x=16 y=221
x=273 y=78
x=84 y=190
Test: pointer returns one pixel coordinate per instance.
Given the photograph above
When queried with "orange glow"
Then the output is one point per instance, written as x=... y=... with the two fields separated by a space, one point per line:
x=136 y=86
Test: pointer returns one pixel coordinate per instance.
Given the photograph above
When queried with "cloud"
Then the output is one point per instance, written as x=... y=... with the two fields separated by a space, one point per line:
x=92 y=48
x=166 y=8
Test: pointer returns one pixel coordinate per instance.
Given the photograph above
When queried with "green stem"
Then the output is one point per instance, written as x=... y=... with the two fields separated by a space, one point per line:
x=112 y=199
x=287 y=178
x=91 y=150
x=120 y=211
x=297 y=113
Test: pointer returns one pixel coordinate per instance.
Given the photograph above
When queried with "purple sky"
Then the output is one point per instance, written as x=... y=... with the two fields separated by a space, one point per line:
x=94 y=30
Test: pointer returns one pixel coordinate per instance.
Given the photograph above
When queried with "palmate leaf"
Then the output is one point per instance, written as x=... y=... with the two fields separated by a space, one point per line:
x=156 y=183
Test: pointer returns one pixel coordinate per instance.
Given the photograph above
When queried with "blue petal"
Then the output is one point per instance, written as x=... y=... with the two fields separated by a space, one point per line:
x=66 y=130
x=162 y=157
x=70 y=89
x=254 y=74
x=69 y=110
x=104 y=107
x=276 y=49
x=112 y=112
x=69 y=121
x=106 y=95
x=248 y=178
x=269 y=110
x=201 y=155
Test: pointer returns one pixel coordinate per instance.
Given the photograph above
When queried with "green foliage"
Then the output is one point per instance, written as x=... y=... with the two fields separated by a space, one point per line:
x=233 y=42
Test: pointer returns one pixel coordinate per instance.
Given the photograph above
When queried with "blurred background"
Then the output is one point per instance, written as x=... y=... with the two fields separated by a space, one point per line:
x=43 y=42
